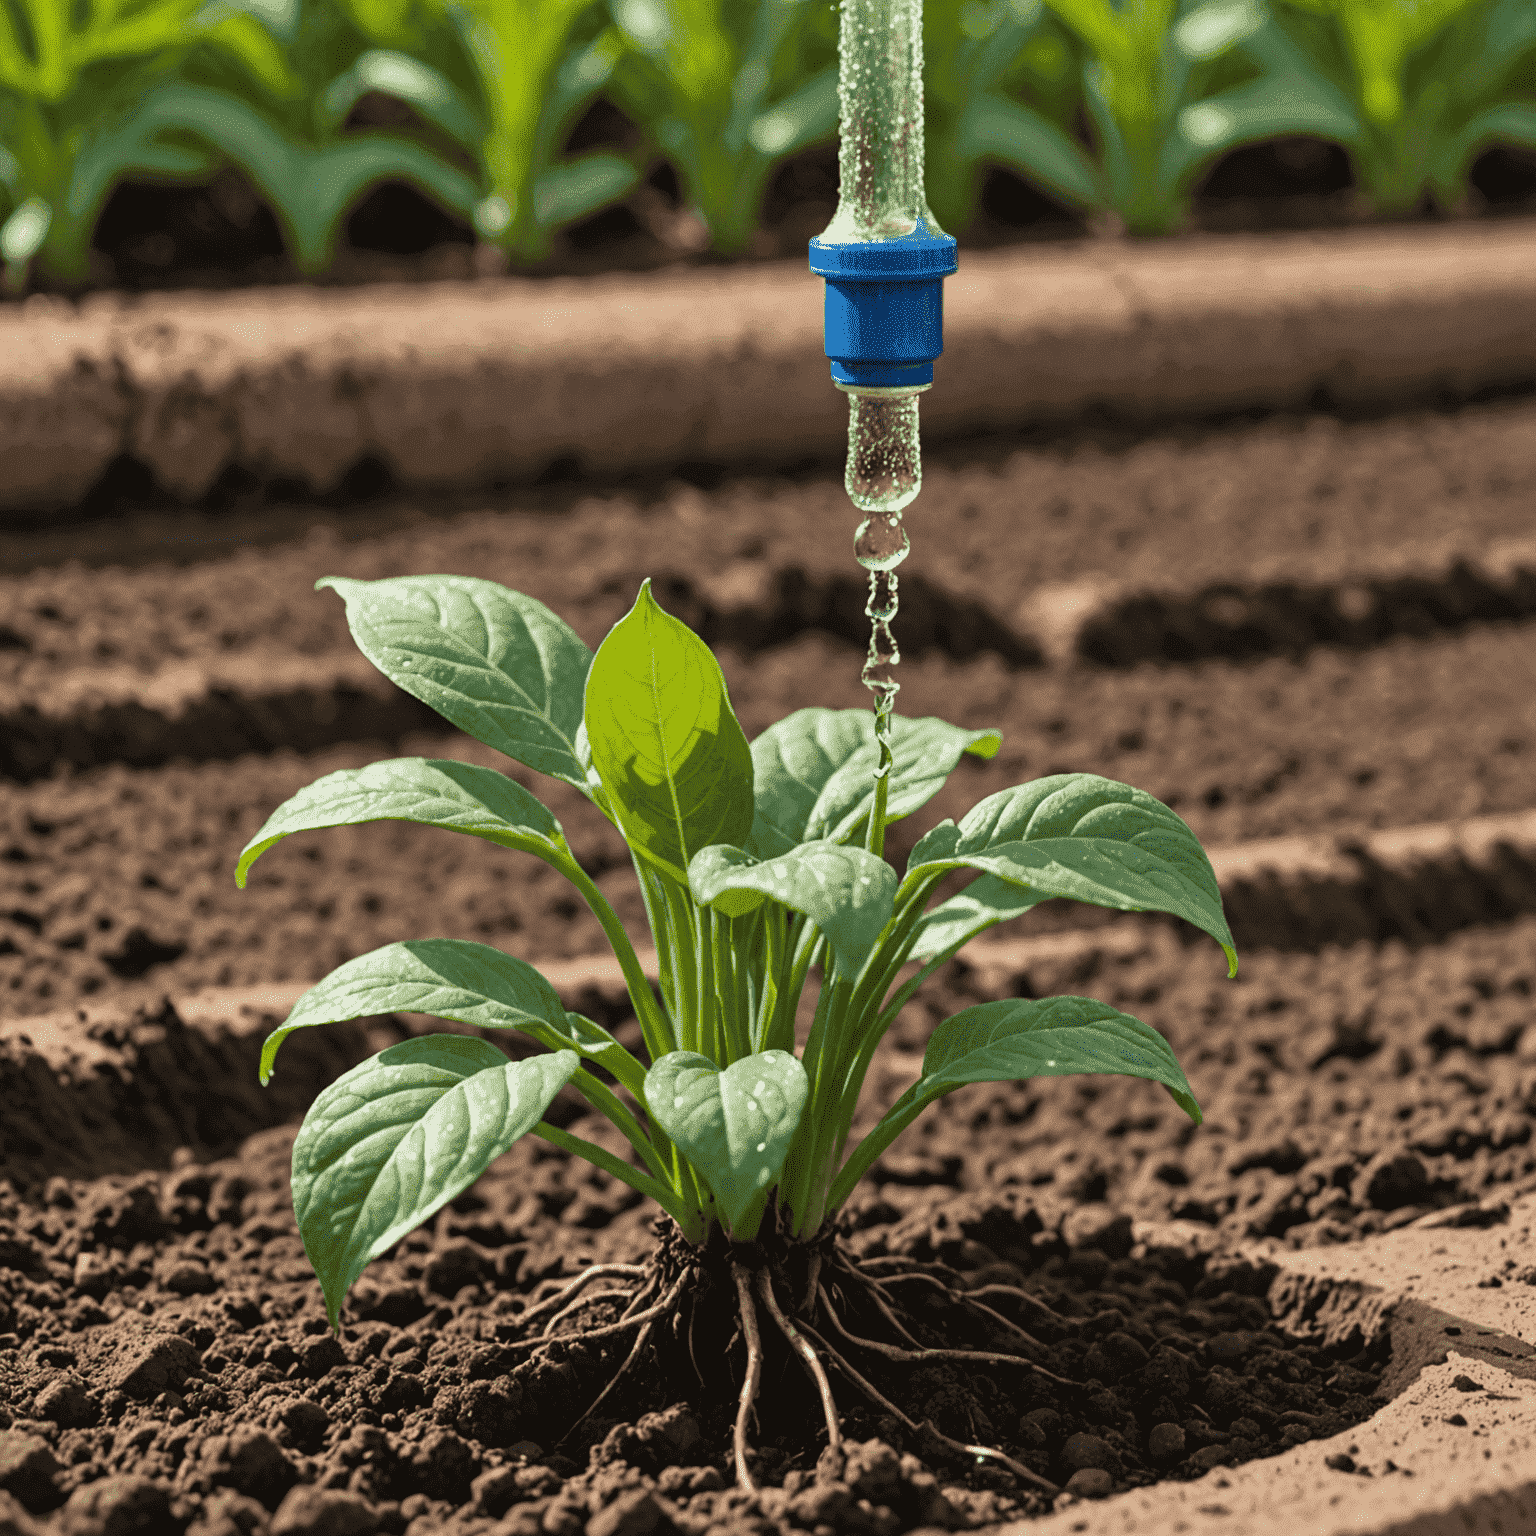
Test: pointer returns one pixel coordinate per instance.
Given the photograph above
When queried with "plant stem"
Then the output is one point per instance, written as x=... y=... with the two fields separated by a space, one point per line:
x=654 y=1025
x=874 y=840
x=689 y=1220
x=602 y=1098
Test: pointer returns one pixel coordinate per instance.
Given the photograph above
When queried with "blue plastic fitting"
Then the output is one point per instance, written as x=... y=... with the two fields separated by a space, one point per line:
x=884 y=318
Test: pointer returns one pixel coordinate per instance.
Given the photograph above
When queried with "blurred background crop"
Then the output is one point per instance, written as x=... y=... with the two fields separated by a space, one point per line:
x=195 y=143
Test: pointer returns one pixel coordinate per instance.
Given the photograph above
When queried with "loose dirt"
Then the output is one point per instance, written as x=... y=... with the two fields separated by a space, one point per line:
x=169 y=1366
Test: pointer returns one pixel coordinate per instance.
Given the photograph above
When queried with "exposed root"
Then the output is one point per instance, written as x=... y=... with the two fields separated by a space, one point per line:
x=891 y=1352
x=1013 y=1290
x=609 y=1329
x=579 y=1303
x=639 y=1299
x=1018 y=1469
x=593 y=1273
x=629 y=1360
x=754 y=1376
x=693 y=1314
x=878 y=1294
x=808 y=1302
x=964 y=1298
x=757 y=1267
x=806 y=1353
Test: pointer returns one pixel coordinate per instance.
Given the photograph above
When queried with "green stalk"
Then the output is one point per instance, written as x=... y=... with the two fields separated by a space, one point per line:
x=654 y=1027
x=602 y=1098
x=800 y=1166
x=690 y=1220
x=768 y=1002
x=869 y=1149
x=874 y=838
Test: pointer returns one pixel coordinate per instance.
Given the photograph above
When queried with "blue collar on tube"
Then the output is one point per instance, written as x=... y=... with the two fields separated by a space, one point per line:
x=884 y=319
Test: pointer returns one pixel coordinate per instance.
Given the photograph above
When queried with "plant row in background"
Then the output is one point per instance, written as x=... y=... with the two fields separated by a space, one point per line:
x=95 y=92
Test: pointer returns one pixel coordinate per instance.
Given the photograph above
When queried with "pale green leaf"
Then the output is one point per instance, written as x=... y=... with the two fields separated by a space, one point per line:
x=1089 y=839
x=394 y=1140
x=435 y=791
x=1019 y=1038
x=735 y=1126
x=983 y=904
x=456 y=979
x=498 y=664
x=846 y=891
x=813 y=773
x=674 y=764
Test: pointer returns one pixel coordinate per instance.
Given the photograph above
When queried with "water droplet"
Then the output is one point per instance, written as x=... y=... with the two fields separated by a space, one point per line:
x=762 y=1146
x=883 y=609
x=678 y=1101
x=884 y=472
x=881 y=542
x=760 y=1087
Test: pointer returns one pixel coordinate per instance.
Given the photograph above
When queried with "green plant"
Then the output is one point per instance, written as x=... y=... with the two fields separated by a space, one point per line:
x=1160 y=93
x=1426 y=85
x=979 y=58
x=756 y=861
x=529 y=70
x=71 y=78
x=727 y=89
x=171 y=90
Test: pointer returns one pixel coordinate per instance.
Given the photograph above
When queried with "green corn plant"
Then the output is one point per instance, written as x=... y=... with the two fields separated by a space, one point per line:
x=1158 y=91
x=525 y=72
x=727 y=89
x=1428 y=84
x=295 y=147
x=755 y=861
x=71 y=76
x=979 y=56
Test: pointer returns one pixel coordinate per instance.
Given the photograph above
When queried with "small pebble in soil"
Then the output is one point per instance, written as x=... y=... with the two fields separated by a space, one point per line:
x=1166 y=1443
x=1091 y=1483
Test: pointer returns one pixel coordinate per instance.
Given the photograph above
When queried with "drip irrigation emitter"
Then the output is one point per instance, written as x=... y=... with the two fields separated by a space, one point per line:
x=884 y=259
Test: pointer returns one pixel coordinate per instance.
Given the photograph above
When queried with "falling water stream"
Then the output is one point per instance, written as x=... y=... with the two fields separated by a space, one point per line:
x=884 y=475
x=880 y=165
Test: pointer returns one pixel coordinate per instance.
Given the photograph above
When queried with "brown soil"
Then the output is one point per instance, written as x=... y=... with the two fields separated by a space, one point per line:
x=1374 y=1065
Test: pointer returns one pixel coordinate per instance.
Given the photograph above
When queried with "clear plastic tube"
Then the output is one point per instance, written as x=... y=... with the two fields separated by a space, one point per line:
x=880 y=93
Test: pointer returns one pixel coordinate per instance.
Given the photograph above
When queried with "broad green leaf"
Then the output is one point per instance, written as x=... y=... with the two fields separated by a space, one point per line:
x=391 y=73
x=1089 y=839
x=1053 y=1037
x=813 y=773
x=1511 y=122
x=734 y=1126
x=399 y=1136
x=1249 y=114
x=454 y=979
x=578 y=187
x=983 y=904
x=1209 y=30
x=309 y=187
x=806 y=116
x=995 y=127
x=498 y=664
x=847 y=892
x=674 y=763
x=436 y=791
